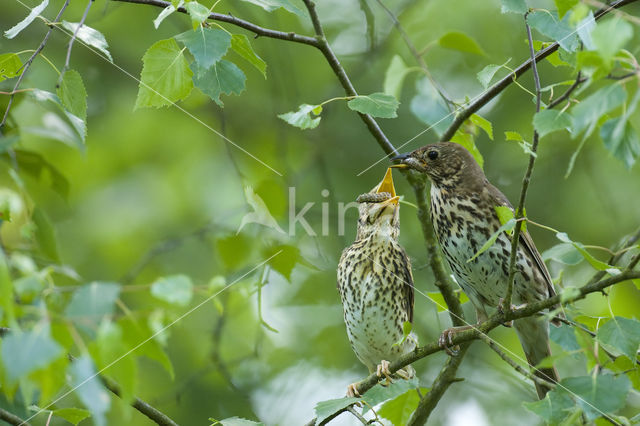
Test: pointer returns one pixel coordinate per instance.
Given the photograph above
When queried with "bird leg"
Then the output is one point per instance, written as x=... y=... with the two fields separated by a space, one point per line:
x=352 y=390
x=383 y=370
x=511 y=308
x=445 y=341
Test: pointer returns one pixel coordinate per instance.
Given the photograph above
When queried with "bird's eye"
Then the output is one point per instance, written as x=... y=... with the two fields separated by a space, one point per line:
x=432 y=155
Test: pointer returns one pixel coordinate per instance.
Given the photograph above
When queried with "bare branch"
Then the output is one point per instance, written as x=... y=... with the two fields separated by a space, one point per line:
x=497 y=88
x=30 y=61
x=12 y=419
x=506 y=302
x=565 y=95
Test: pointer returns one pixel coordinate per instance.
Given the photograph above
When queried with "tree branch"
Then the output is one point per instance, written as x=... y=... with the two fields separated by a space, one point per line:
x=27 y=64
x=497 y=88
x=230 y=19
x=519 y=213
x=12 y=419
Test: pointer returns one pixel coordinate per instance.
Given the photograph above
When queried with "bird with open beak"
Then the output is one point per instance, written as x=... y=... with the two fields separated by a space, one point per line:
x=463 y=215
x=376 y=285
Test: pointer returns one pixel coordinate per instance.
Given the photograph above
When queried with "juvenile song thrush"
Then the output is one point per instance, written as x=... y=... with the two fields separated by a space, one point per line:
x=376 y=285
x=463 y=215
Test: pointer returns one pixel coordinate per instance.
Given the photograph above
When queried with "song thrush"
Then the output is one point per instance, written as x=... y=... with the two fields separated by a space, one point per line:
x=376 y=285
x=463 y=215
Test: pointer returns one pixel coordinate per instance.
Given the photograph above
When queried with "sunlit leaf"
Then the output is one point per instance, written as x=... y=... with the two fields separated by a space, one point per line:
x=72 y=94
x=565 y=337
x=460 y=41
x=324 y=409
x=610 y=36
x=10 y=65
x=548 y=24
x=564 y=253
x=15 y=30
x=379 y=393
x=91 y=302
x=483 y=123
x=229 y=247
x=600 y=393
x=285 y=257
x=394 y=76
x=165 y=13
x=486 y=74
x=551 y=120
x=242 y=46
x=622 y=334
x=165 y=77
x=622 y=140
x=90 y=36
x=564 y=6
x=302 y=117
x=587 y=113
x=207 y=45
x=466 y=139
x=176 y=289
x=505 y=214
x=555 y=406
x=72 y=415
x=399 y=410
x=514 y=6
x=24 y=352
x=597 y=264
x=89 y=389
x=62 y=125
x=223 y=77
x=138 y=336
x=198 y=13
x=377 y=105
x=271 y=5
x=238 y=421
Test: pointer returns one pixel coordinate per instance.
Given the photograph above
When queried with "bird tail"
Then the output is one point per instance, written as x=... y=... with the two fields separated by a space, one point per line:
x=534 y=337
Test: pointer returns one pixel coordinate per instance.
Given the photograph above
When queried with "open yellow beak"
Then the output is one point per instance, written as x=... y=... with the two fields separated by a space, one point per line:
x=399 y=166
x=387 y=186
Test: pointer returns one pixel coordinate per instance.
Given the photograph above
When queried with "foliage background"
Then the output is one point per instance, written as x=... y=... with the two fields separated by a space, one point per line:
x=153 y=193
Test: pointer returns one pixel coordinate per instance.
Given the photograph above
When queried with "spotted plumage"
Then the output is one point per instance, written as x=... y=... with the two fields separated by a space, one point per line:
x=463 y=214
x=376 y=285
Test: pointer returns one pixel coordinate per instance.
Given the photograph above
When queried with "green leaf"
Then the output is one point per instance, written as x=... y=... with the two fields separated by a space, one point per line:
x=437 y=298
x=89 y=389
x=165 y=77
x=138 y=335
x=271 y=5
x=6 y=292
x=92 y=302
x=223 y=77
x=505 y=214
x=394 y=76
x=565 y=337
x=549 y=121
x=460 y=41
x=407 y=326
x=198 y=13
x=600 y=393
x=230 y=248
x=165 y=13
x=548 y=24
x=621 y=139
x=302 y=117
x=466 y=139
x=597 y=264
x=564 y=253
x=72 y=415
x=506 y=227
x=41 y=170
x=73 y=95
x=90 y=36
x=207 y=45
x=486 y=74
x=25 y=352
x=238 y=421
x=176 y=289
x=484 y=124
x=67 y=128
x=554 y=408
x=376 y=105
x=45 y=234
x=324 y=409
x=610 y=36
x=622 y=334
x=284 y=259
x=588 y=112
x=10 y=66
x=564 y=6
x=429 y=107
x=399 y=410
x=15 y=30
x=242 y=46
x=379 y=393
x=514 y=6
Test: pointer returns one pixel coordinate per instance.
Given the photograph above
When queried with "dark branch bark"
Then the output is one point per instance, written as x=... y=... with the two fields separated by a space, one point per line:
x=12 y=419
x=497 y=88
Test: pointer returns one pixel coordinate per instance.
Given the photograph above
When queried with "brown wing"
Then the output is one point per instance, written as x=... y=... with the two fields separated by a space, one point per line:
x=525 y=239
x=407 y=278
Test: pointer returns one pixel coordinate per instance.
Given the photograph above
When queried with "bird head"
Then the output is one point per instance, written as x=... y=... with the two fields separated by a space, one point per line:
x=381 y=217
x=447 y=164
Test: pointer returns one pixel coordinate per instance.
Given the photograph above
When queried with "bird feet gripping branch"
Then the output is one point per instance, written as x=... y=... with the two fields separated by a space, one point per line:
x=445 y=341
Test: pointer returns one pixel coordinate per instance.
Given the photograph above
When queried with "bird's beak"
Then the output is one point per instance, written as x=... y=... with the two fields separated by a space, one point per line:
x=407 y=161
x=387 y=186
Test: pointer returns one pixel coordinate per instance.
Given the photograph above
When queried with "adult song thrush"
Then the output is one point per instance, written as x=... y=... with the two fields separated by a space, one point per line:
x=463 y=215
x=376 y=285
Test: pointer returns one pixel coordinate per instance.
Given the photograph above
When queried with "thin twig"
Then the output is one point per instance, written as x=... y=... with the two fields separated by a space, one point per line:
x=11 y=418
x=506 y=302
x=358 y=416
x=73 y=39
x=565 y=95
x=498 y=87
x=27 y=64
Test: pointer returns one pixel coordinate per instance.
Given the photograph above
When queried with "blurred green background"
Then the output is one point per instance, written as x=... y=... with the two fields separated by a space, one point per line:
x=156 y=193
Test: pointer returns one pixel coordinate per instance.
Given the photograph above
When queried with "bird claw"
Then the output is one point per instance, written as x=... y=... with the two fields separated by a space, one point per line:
x=511 y=309
x=352 y=390
x=383 y=370
x=445 y=341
